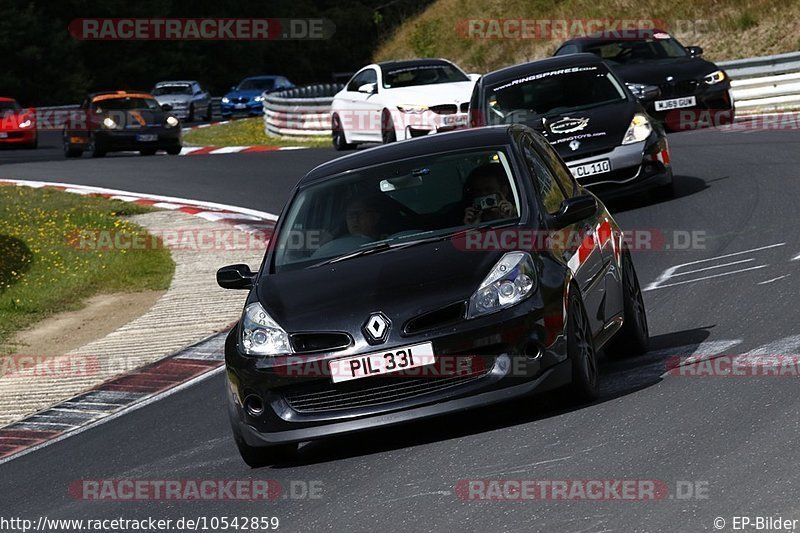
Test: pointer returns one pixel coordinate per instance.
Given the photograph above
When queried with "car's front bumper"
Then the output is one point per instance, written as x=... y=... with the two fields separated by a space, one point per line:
x=15 y=137
x=635 y=168
x=511 y=355
x=714 y=107
x=250 y=108
x=140 y=139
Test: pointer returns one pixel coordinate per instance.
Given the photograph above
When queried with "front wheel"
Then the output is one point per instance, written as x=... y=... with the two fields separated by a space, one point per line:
x=190 y=118
x=634 y=336
x=174 y=150
x=70 y=152
x=148 y=151
x=337 y=134
x=388 y=134
x=209 y=113
x=585 y=386
x=94 y=149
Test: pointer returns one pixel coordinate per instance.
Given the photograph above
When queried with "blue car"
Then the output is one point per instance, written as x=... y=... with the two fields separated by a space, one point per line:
x=246 y=98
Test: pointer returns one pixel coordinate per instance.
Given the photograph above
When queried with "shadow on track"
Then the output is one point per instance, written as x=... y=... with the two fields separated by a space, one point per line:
x=619 y=378
x=683 y=186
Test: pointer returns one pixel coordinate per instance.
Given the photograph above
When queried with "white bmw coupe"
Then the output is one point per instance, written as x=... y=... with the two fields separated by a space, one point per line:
x=395 y=100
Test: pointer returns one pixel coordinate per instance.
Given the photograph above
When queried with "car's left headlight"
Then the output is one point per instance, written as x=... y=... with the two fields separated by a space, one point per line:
x=414 y=109
x=109 y=123
x=511 y=280
x=259 y=98
x=715 y=77
x=225 y=99
x=260 y=334
x=172 y=121
x=25 y=123
x=639 y=130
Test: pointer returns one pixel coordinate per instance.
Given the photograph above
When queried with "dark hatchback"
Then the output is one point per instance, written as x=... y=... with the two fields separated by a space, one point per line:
x=694 y=92
x=121 y=121
x=412 y=280
x=599 y=128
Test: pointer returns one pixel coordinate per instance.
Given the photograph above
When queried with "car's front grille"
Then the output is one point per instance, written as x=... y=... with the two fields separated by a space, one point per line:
x=434 y=319
x=444 y=109
x=14 y=135
x=678 y=88
x=367 y=392
x=317 y=342
x=240 y=100
x=584 y=155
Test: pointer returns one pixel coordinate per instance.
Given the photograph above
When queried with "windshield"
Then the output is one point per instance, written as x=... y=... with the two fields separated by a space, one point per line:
x=396 y=204
x=261 y=84
x=172 y=89
x=127 y=103
x=553 y=92
x=661 y=46
x=421 y=75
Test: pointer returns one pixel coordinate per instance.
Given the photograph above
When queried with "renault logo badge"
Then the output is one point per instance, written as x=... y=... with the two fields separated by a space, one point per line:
x=376 y=328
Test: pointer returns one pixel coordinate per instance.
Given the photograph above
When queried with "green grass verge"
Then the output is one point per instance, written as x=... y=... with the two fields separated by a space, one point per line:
x=247 y=132
x=731 y=29
x=43 y=271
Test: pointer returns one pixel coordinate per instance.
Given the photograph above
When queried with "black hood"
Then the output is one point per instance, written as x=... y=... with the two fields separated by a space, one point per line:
x=596 y=129
x=655 y=72
x=401 y=283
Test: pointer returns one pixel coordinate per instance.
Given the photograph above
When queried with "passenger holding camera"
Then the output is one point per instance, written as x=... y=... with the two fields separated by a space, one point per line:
x=488 y=194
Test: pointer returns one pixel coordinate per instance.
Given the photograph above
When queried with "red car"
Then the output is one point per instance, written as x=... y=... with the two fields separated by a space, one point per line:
x=17 y=125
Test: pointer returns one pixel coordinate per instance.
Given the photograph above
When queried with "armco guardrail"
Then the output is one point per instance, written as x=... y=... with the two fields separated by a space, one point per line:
x=302 y=111
x=765 y=84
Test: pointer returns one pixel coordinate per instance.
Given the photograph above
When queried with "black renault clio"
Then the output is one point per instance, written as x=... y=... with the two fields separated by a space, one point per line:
x=424 y=278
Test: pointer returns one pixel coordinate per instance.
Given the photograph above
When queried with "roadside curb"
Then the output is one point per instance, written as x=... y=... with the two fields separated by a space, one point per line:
x=177 y=368
x=244 y=219
x=221 y=150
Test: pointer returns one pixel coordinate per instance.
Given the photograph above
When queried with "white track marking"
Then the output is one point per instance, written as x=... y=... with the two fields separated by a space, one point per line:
x=795 y=258
x=723 y=265
x=788 y=345
x=705 y=278
x=773 y=279
x=671 y=271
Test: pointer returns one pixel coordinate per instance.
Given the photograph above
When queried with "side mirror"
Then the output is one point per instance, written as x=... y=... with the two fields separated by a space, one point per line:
x=368 y=88
x=694 y=51
x=235 y=277
x=575 y=209
x=166 y=107
x=649 y=93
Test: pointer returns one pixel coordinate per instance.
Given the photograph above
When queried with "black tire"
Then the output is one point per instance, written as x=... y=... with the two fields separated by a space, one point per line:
x=388 y=135
x=585 y=386
x=34 y=145
x=174 y=150
x=634 y=336
x=209 y=113
x=257 y=456
x=337 y=135
x=93 y=150
x=148 y=151
x=190 y=118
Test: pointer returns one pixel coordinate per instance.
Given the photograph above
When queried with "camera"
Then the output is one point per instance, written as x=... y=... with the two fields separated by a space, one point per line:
x=486 y=202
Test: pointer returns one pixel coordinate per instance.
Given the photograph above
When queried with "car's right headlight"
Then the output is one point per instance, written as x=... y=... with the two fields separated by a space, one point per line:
x=639 y=130
x=260 y=334
x=109 y=123
x=225 y=99
x=414 y=109
x=511 y=280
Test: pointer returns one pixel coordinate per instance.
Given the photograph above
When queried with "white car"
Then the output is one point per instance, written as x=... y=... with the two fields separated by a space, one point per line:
x=187 y=100
x=397 y=100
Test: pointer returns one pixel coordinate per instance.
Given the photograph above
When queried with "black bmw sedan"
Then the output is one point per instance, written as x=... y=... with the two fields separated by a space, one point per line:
x=694 y=92
x=424 y=278
x=118 y=121
x=608 y=140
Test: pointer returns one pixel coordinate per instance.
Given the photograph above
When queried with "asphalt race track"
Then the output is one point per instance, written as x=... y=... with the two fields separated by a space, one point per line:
x=733 y=440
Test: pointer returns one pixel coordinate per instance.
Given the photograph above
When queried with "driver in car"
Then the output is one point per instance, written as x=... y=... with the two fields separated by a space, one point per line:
x=363 y=219
x=487 y=192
